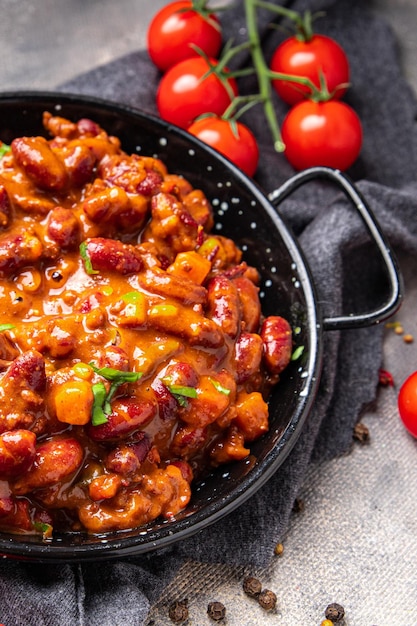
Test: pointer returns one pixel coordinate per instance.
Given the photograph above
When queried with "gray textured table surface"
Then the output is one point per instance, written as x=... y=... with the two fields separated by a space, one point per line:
x=356 y=540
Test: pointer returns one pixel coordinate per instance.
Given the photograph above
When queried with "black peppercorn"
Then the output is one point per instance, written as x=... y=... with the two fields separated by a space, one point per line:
x=267 y=599
x=298 y=506
x=334 y=612
x=216 y=611
x=252 y=586
x=178 y=612
x=56 y=276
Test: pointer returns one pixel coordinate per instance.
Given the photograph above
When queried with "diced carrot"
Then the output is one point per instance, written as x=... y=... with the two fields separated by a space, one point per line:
x=73 y=402
x=190 y=265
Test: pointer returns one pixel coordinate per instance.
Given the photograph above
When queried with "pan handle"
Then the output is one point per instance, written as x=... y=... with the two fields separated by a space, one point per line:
x=395 y=296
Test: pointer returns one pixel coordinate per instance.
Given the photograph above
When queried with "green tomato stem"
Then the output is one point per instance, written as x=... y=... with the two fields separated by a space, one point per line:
x=262 y=73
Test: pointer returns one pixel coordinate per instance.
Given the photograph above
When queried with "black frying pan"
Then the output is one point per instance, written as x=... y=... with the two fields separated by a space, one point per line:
x=244 y=213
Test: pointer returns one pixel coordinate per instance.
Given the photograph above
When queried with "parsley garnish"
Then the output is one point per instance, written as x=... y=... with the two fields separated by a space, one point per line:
x=6 y=327
x=4 y=149
x=180 y=393
x=297 y=353
x=44 y=528
x=102 y=397
x=87 y=261
x=219 y=387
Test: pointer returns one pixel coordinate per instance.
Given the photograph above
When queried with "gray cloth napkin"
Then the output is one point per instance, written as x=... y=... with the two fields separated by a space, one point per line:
x=346 y=273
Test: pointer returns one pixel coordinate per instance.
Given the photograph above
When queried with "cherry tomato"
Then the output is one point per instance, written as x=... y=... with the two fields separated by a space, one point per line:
x=322 y=133
x=234 y=140
x=185 y=92
x=173 y=30
x=308 y=59
x=407 y=404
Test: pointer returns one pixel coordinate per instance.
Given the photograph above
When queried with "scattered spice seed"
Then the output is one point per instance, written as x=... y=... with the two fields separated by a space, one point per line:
x=216 y=611
x=267 y=599
x=361 y=433
x=252 y=586
x=386 y=379
x=279 y=549
x=408 y=338
x=178 y=611
x=398 y=330
x=327 y=622
x=334 y=612
x=298 y=506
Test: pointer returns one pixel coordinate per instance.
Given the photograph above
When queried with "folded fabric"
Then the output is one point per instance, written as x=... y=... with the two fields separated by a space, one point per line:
x=346 y=273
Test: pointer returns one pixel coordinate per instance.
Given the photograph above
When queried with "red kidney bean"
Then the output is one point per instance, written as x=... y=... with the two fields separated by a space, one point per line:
x=223 y=304
x=17 y=452
x=127 y=417
x=79 y=162
x=159 y=282
x=113 y=255
x=199 y=208
x=85 y=126
x=64 y=228
x=187 y=440
x=59 y=126
x=36 y=158
x=6 y=506
x=23 y=386
x=112 y=356
x=181 y=374
x=167 y=404
x=150 y=184
x=18 y=517
x=55 y=460
x=127 y=459
x=250 y=306
x=5 y=208
x=17 y=250
x=276 y=335
x=186 y=323
x=28 y=370
x=106 y=205
x=248 y=355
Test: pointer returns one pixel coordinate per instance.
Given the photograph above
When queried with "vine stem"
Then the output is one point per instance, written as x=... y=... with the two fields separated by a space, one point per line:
x=262 y=74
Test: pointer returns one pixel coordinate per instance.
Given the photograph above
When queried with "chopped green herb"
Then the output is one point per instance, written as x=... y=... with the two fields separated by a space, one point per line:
x=87 y=261
x=180 y=393
x=102 y=397
x=4 y=149
x=109 y=373
x=100 y=405
x=132 y=296
x=219 y=387
x=297 y=353
x=6 y=327
x=44 y=528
